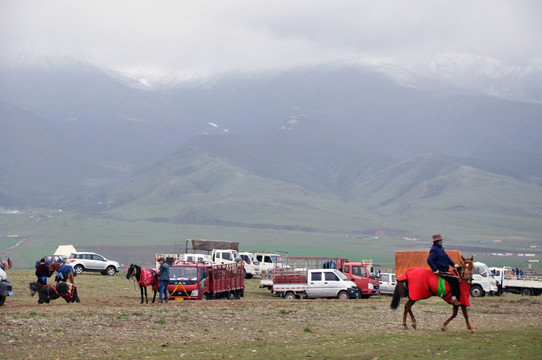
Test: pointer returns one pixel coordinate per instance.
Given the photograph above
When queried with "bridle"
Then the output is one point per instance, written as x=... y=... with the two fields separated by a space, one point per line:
x=467 y=268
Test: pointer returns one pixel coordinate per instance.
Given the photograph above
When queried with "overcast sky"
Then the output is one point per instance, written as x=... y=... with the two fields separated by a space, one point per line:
x=199 y=36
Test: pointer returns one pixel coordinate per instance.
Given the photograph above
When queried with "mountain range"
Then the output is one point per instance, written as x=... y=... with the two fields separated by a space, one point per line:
x=339 y=148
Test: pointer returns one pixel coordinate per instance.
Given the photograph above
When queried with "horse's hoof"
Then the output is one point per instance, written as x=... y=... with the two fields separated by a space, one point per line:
x=405 y=327
x=443 y=328
x=414 y=326
x=473 y=331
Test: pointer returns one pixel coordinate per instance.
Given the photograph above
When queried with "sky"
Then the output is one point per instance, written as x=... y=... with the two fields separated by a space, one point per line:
x=212 y=36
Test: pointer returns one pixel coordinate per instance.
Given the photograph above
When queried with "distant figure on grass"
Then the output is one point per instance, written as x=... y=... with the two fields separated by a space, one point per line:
x=163 y=272
x=440 y=263
x=43 y=271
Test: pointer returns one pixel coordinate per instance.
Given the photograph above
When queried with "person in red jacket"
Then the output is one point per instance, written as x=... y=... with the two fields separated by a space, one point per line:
x=43 y=272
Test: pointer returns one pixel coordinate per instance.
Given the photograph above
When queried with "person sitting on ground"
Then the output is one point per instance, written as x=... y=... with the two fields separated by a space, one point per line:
x=43 y=272
x=440 y=262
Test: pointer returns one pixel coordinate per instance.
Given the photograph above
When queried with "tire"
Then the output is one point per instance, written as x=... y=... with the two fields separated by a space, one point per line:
x=343 y=295
x=110 y=271
x=526 y=292
x=289 y=296
x=2 y=300
x=205 y=297
x=476 y=291
x=230 y=296
x=79 y=269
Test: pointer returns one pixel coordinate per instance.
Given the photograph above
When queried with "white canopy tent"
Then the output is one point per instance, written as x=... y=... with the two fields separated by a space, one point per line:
x=65 y=250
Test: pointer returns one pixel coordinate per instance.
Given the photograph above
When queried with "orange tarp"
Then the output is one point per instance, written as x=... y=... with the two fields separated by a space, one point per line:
x=405 y=260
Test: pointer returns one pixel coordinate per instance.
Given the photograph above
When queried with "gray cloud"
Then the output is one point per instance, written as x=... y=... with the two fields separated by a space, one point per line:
x=187 y=37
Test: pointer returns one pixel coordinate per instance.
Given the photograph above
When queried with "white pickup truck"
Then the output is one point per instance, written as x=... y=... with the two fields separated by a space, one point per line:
x=508 y=281
x=316 y=283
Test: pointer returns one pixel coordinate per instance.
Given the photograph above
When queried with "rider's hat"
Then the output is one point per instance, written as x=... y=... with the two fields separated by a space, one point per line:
x=437 y=237
x=162 y=259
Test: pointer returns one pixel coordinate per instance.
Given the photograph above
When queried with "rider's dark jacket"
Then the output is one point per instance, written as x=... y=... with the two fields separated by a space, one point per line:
x=438 y=259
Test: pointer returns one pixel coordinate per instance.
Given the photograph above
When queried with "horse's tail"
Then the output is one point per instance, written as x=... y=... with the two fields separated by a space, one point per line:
x=398 y=294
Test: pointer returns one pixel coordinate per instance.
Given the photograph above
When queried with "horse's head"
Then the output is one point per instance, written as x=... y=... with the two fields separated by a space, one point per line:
x=34 y=288
x=130 y=271
x=467 y=268
x=133 y=270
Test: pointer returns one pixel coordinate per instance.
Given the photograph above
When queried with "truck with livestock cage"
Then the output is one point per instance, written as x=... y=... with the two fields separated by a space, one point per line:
x=202 y=281
x=217 y=251
x=315 y=283
x=482 y=281
x=292 y=269
x=509 y=281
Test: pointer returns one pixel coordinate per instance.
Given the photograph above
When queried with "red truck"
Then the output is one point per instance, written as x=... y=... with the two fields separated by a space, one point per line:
x=292 y=269
x=361 y=274
x=202 y=281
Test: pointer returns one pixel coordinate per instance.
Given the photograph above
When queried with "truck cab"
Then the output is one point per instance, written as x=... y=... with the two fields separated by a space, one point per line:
x=229 y=256
x=360 y=274
x=252 y=266
x=387 y=282
x=482 y=281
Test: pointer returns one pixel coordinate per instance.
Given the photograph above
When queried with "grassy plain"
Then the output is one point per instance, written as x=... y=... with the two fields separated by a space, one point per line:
x=110 y=323
x=138 y=241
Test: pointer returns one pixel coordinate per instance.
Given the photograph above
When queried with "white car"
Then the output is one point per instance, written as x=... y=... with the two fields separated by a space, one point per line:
x=92 y=262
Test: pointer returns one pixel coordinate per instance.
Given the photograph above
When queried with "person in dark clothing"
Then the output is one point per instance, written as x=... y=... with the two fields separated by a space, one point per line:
x=43 y=272
x=163 y=271
x=440 y=263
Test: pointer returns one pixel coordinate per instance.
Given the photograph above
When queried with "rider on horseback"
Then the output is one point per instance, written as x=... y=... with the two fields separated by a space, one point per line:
x=440 y=262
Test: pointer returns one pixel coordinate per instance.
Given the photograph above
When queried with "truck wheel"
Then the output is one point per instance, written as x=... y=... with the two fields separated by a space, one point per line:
x=2 y=300
x=343 y=295
x=205 y=297
x=476 y=291
x=230 y=296
x=78 y=269
x=526 y=292
x=289 y=296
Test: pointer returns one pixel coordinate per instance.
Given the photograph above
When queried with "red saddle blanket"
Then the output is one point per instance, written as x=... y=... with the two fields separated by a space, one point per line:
x=423 y=283
x=148 y=277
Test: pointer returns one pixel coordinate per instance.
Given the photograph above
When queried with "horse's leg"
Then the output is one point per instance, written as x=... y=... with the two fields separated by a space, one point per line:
x=454 y=314
x=466 y=316
x=154 y=295
x=141 y=291
x=412 y=318
x=408 y=310
x=146 y=298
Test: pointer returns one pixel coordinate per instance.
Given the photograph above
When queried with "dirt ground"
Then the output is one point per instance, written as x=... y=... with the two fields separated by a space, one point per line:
x=111 y=323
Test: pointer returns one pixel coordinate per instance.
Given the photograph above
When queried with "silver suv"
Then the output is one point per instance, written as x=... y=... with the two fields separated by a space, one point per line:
x=89 y=261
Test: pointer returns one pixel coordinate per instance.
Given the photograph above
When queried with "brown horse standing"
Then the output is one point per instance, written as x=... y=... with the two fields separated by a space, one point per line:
x=421 y=284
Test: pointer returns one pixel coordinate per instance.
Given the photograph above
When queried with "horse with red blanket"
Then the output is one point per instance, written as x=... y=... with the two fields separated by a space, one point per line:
x=144 y=278
x=418 y=284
